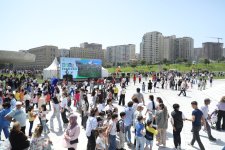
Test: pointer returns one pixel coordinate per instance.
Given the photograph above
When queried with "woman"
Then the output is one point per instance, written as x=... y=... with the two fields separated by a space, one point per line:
x=91 y=127
x=4 y=124
x=72 y=133
x=84 y=113
x=31 y=117
x=56 y=113
x=38 y=142
x=162 y=124
x=221 y=114
x=150 y=86
x=17 y=138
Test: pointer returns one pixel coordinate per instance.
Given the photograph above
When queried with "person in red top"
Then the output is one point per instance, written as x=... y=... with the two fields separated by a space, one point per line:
x=48 y=99
x=134 y=79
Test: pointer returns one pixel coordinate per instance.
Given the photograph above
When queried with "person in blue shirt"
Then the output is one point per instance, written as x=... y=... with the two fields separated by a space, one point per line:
x=128 y=120
x=12 y=101
x=140 y=132
x=197 y=118
x=4 y=124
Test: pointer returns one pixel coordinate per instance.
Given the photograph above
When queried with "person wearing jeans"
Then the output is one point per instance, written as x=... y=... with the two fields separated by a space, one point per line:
x=112 y=131
x=221 y=114
x=197 y=117
x=128 y=120
x=140 y=140
x=56 y=113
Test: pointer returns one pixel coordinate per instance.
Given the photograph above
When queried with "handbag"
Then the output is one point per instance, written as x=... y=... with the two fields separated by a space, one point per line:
x=74 y=141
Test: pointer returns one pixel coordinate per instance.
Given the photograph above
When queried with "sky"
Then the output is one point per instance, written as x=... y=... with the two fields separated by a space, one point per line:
x=26 y=24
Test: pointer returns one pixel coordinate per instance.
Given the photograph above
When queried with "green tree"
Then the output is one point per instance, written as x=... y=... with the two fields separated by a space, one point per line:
x=206 y=61
x=143 y=62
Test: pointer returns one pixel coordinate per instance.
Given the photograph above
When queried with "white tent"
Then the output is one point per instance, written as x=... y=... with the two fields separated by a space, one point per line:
x=105 y=73
x=51 y=71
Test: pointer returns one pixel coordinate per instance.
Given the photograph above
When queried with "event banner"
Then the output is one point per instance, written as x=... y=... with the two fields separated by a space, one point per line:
x=80 y=67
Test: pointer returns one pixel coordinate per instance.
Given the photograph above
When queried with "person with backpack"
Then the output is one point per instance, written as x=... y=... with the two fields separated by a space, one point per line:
x=120 y=127
x=177 y=123
x=150 y=133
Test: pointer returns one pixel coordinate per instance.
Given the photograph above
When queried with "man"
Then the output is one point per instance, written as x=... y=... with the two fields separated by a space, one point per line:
x=139 y=96
x=197 y=117
x=19 y=115
x=128 y=120
x=177 y=123
x=183 y=88
x=205 y=111
x=115 y=91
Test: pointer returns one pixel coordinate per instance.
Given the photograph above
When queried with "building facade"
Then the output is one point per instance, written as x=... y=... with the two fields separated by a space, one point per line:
x=212 y=50
x=44 y=57
x=64 y=52
x=120 y=54
x=151 y=46
x=197 y=54
x=168 y=50
x=93 y=46
x=79 y=52
x=183 y=48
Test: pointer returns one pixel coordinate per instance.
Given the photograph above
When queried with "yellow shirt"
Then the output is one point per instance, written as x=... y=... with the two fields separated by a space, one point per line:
x=31 y=116
x=116 y=90
x=152 y=130
x=17 y=96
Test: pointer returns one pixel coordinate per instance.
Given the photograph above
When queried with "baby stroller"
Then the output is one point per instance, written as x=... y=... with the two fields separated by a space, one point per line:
x=213 y=119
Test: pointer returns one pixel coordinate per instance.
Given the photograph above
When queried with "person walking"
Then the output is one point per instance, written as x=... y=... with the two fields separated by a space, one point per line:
x=197 y=117
x=4 y=124
x=150 y=86
x=205 y=111
x=177 y=123
x=111 y=132
x=143 y=87
x=221 y=114
x=183 y=88
x=56 y=113
x=121 y=131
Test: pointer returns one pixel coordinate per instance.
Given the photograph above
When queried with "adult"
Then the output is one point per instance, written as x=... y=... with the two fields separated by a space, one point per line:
x=221 y=114
x=139 y=96
x=19 y=115
x=122 y=96
x=150 y=86
x=17 y=138
x=72 y=133
x=56 y=113
x=128 y=120
x=197 y=117
x=4 y=124
x=183 y=88
x=205 y=111
x=151 y=107
x=64 y=109
x=177 y=123
x=112 y=132
x=162 y=124
x=91 y=127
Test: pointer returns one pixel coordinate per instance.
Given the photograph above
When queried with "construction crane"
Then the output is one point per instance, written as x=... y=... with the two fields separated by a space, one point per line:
x=218 y=38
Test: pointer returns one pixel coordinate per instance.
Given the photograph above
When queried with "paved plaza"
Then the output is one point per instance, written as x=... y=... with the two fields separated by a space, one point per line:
x=169 y=97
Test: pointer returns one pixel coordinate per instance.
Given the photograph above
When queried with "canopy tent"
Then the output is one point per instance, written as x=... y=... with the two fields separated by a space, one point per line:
x=105 y=73
x=51 y=71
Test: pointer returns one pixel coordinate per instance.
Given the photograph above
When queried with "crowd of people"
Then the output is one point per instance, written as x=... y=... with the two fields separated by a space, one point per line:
x=106 y=127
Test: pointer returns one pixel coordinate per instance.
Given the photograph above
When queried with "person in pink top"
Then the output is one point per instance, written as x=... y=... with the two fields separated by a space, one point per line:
x=71 y=134
x=76 y=98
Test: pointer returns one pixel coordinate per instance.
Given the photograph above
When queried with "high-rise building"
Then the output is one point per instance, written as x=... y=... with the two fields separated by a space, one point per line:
x=212 y=50
x=120 y=54
x=168 y=48
x=196 y=54
x=151 y=46
x=183 y=47
x=64 y=52
x=223 y=52
x=79 y=52
x=44 y=57
x=93 y=46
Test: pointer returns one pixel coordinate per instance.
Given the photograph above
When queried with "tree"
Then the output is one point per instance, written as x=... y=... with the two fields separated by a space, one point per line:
x=143 y=62
x=206 y=61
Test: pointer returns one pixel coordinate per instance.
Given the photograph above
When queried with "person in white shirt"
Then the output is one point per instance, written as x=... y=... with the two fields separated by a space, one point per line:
x=112 y=132
x=205 y=111
x=101 y=141
x=91 y=127
x=64 y=109
x=151 y=107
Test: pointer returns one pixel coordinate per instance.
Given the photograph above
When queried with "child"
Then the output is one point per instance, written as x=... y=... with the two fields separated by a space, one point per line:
x=121 y=131
x=48 y=99
x=35 y=101
x=42 y=115
x=31 y=117
x=101 y=141
x=143 y=87
x=150 y=133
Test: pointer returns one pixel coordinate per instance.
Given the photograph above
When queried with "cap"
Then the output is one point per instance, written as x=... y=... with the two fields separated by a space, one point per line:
x=18 y=103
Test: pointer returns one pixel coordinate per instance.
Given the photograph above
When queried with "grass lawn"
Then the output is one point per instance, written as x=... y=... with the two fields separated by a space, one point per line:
x=179 y=67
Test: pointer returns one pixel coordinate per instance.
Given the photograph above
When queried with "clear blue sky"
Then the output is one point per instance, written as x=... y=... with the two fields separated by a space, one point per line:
x=26 y=24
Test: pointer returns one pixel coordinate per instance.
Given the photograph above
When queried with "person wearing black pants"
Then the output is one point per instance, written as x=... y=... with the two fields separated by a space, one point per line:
x=197 y=117
x=177 y=123
x=122 y=96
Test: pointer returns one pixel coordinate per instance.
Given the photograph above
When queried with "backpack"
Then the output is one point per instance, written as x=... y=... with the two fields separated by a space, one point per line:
x=118 y=125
